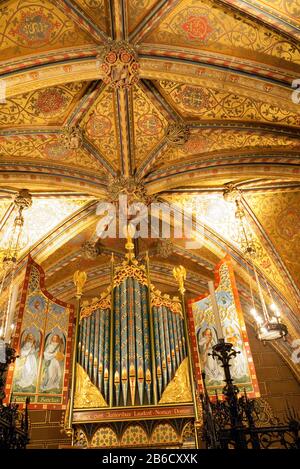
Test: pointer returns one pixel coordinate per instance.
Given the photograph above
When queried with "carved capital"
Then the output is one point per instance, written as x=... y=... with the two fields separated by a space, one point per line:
x=72 y=137
x=23 y=200
x=177 y=133
x=231 y=193
x=90 y=250
x=130 y=186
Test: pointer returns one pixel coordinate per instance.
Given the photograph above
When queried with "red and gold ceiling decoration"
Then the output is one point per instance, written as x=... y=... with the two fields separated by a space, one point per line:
x=219 y=73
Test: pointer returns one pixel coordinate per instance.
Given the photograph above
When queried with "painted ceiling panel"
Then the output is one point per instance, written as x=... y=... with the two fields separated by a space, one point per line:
x=149 y=124
x=217 y=214
x=47 y=106
x=210 y=140
x=30 y=26
x=99 y=124
x=211 y=103
x=45 y=148
x=211 y=26
x=279 y=215
x=138 y=10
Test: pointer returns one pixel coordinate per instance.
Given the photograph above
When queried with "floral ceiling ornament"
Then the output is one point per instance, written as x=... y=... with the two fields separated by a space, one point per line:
x=90 y=250
x=130 y=186
x=197 y=28
x=119 y=64
x=72 y=137
x=231 y=193
x=177 y=133
x=23 y=200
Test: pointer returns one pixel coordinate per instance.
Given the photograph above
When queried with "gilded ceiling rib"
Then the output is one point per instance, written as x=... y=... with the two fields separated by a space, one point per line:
x=98 y=155
x=55 y=176
x=152 y=19
x=89 y=98
x=148 y=163
x=169 y=111
x=118 y=19
x=81 y=19
x=176 y=55
x=240 y=125
x=122 y=102
x=256 y=165
x=269 y=16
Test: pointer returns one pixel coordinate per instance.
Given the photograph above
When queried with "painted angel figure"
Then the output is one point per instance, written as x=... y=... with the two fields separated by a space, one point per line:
x=207 y=339
x=53 y=359
x=28 y=363
x=238 y=364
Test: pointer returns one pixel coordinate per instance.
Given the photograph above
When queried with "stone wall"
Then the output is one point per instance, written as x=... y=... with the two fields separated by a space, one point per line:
x=277 y=383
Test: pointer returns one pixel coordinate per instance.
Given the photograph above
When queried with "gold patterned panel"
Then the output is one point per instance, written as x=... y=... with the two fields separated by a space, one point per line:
x=99 y=124
x=87 y=395
x=80 y=438
x=96 y=11
x=279 y=215
x=210 y=26
x=212 y=103
x=30 y=25
x=210 y=140
x=149 y=124
x=137 y=10
x=217 y=214
x=40 y=107
x=179 y=389
x=289 y=9
x=104 y=437
x=164 y=433
x=134 y=435
x=45 y=148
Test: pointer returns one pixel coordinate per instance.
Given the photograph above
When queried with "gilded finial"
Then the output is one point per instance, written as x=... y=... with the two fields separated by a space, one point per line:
x=129 y=231
x=79 y=281
x=180 y=275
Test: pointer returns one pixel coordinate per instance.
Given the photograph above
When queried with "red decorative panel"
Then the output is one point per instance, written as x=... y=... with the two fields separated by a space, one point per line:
x=204 y=337
x=43 y=342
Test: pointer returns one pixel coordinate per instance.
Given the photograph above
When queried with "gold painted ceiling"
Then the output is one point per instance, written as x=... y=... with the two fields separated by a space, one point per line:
x=45 y=215
x=221 y=69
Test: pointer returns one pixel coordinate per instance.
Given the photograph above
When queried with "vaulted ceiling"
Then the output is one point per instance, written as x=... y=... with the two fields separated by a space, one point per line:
x=222 y=68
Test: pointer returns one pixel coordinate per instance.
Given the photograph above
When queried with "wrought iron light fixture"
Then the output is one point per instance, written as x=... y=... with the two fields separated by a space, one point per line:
x=14 y=423
x=13 y=241
x=267 y=317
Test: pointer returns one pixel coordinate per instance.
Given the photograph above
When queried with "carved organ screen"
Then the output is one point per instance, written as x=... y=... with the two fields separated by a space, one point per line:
x=131 y=344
